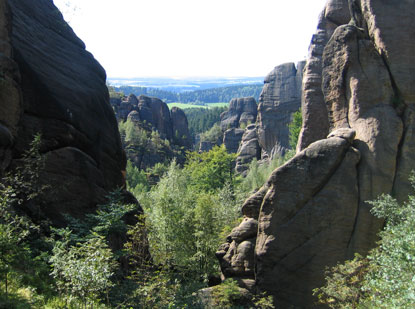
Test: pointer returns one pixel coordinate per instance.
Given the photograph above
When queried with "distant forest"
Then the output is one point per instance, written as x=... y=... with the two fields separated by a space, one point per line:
x=202 y=119
x=213 y=95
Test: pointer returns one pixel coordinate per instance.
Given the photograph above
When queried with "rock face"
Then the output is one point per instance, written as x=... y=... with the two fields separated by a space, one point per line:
x=312 y=212
x=180 y=127
x=232 y=138
x=313 y=107
x=241 y=112
x=249 y=149
x=156 y=113
x=279 y=99
x=51 y=85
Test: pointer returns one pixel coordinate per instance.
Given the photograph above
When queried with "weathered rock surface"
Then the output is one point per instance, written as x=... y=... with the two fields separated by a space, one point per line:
x=51 y=85
x=312 y=212
x=313 y=107
x=249 y=149
x=241 y=112
x=279 y=99
x=232 y=138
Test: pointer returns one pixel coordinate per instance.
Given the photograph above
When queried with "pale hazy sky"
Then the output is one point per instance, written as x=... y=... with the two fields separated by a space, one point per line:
x=143 y=38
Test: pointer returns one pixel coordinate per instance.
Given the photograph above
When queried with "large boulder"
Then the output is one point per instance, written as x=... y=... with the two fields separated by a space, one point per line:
x=312 y=212
x=279 y=100
x=241 y=112
x=51 y=85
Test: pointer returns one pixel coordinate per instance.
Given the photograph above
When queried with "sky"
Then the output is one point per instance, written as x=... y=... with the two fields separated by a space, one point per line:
x=193 y=38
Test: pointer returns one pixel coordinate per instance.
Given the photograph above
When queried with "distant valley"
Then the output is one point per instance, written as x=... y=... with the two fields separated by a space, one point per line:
x=184 y=84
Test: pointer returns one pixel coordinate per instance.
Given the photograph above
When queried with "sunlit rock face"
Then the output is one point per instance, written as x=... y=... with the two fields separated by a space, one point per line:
x=51 y=85
x=279 y=100
x=241 y=112
x=357 y=142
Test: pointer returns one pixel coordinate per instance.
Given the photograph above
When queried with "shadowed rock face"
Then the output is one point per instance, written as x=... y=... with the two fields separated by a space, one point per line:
x=312 y=212
x=279 y=99
x=232 y=138
x=53 y=86
x=156 y=113
x=180 y=127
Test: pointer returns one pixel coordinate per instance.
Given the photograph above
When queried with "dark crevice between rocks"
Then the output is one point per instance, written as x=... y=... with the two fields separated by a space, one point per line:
x=356 y=219
x=400 y=107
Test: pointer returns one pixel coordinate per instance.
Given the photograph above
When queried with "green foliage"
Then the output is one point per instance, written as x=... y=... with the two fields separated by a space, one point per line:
x=295 y=128
x=344 y=284
x=262 y=301
x=201 y=120
x=226 y=294
x=213 y=135
x=82 y=271
x=385 y=278
x=136 y=180
x=259 y=173
x=188 y=210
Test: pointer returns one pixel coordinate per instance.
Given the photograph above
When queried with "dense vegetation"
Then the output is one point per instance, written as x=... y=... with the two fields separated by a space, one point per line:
x=213 y=95
x=200 y=120
x=386 y=277
x=189 y=211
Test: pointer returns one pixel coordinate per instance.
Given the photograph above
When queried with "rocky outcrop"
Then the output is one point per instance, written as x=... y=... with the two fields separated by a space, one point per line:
x=313 y=107
x=232 y=138
x=241 y=112
x=249 y=150
x=279 y=99
x=312 y=212
x=51 y=85
x=180 y=128
x=156 y=113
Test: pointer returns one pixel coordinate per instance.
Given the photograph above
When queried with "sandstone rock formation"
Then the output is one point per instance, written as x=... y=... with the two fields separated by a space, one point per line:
x=241 y=112
x=248 y=150
x=232 y=138
x=156 y=113
x=312 y=212
x=51 y=85
x=279 y=99
x=180 y=128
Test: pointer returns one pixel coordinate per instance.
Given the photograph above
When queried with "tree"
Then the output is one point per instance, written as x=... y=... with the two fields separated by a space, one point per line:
x=295 y=128
x=211 y=170
x=82 y=271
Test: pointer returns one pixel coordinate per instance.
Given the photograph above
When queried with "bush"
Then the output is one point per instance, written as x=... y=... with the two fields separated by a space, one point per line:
x=295 y=128
x=385 y=278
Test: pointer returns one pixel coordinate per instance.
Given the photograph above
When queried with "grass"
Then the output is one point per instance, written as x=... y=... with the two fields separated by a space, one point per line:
x=190 y=105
